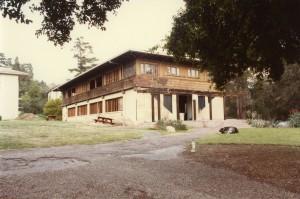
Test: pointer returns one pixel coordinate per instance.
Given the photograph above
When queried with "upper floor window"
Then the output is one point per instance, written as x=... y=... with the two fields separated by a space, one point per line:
x=148 y=69
x=193 y=72
x=172 y=70
x=71 y=92
x=128 y=70
x=99 y=81
x=95 y=83
x=112 y=76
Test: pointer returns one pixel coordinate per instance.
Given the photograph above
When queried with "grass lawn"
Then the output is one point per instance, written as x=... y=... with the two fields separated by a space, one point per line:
x=18 y=134
x=276 y=136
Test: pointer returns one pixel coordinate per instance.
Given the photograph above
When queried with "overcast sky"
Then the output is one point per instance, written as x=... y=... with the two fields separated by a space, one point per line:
x=138 y=25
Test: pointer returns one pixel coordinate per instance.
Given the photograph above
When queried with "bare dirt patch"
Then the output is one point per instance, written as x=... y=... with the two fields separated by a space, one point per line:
x=276 y=165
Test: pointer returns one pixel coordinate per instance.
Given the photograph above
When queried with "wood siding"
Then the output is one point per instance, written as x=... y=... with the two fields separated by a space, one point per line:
x=120 y=78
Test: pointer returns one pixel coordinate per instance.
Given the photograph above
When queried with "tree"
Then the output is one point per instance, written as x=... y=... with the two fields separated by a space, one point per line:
x=60 y=16
x=228 y=37
x=275 y=100
x=35 y=97
x=24 y=81
x=4 y=62
x=82 y=51
x=53 y=107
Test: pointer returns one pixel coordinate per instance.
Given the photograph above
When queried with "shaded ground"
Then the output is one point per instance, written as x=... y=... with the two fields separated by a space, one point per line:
x=277 y=165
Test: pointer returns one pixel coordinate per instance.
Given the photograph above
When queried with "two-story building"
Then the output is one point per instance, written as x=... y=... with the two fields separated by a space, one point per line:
x=142 y=87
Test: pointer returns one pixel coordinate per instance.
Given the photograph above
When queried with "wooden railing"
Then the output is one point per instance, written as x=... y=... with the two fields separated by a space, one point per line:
x=97 y=92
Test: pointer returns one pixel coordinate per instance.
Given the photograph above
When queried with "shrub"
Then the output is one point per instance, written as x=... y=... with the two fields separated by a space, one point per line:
x=259 y=123
x=294 y=120
x=0 y=117
x=177 y=124
x=53 y=107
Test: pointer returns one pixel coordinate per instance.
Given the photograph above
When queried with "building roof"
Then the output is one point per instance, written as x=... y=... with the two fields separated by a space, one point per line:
x=8 y=71
x=127 y=56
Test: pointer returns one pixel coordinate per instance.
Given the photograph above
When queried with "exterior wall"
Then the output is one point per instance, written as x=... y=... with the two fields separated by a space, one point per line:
x=144 y=107
x=9 y=96
x=203 y=114
x=163 y=80
x=127 y=115
x=217 y=108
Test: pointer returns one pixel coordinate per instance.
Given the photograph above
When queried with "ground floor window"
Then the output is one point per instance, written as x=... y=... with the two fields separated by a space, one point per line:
x=168 y=102
x=113 y=105
x=201 y=102
x=82 y=110
x=96 y=108
x=71 y=112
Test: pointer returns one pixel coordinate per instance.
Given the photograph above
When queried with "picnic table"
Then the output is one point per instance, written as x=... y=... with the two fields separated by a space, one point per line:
x=104 y=120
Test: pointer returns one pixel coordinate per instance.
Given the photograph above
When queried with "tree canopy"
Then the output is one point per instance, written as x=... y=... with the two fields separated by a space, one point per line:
x=228 y=37
x=60 y=16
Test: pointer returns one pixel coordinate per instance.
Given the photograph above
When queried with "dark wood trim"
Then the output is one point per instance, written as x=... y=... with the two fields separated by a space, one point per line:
x=177 y=91
x=177 y=106
x=152 y=107
x=210 y=106
x=158 y=107
x=194 y=110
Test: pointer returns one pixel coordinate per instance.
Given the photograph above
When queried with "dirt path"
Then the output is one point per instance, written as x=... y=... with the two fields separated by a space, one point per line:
x=153 y=167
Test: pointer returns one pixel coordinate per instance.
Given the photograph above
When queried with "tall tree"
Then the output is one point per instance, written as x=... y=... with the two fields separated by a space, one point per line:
x=4 y=62
x=82 y=52
x=228 y=37
x=60 y=16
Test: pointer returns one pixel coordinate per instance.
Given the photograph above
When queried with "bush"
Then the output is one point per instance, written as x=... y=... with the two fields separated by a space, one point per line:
x=53 y=107
x=177 y=124
x=258 y=123
x=294 y=120
x=0 y=117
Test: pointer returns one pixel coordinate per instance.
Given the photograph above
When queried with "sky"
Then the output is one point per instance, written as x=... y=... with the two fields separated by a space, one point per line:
x=138 y=25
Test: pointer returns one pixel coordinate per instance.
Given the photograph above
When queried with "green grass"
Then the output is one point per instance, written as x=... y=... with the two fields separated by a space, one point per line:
x=276 y=136
x=19 y=134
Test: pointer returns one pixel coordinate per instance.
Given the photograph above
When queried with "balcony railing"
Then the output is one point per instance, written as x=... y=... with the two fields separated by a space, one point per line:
x=104 y=90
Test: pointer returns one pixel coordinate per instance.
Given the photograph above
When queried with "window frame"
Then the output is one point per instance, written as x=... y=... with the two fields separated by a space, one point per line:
x=168 y=106
x=176 y=70
x=193 y=73
x=114 y=105
x=152 y=67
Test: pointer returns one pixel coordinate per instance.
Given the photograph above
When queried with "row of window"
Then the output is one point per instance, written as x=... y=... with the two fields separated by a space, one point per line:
x=111 y=105
x=172 y=70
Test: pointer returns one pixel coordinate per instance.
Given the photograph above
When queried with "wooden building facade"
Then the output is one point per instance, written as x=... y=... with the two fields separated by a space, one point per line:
x=142 y=87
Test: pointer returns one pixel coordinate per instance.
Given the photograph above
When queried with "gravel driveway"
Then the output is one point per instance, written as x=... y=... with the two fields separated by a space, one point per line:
x=152 y=167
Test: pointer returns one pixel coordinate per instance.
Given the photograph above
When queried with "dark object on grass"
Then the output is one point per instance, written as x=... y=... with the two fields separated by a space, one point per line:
x=229 y=130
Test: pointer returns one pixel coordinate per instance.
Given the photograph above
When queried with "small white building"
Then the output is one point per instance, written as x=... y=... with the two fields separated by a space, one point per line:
x=9 y=93
x=54 y=94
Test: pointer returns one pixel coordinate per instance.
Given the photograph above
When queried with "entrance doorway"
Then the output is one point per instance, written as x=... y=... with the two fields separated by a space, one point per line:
x=184 y=107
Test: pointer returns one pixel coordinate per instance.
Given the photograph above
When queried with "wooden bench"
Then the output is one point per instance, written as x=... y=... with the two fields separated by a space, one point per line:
x=51 y=117
x=104 y=120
